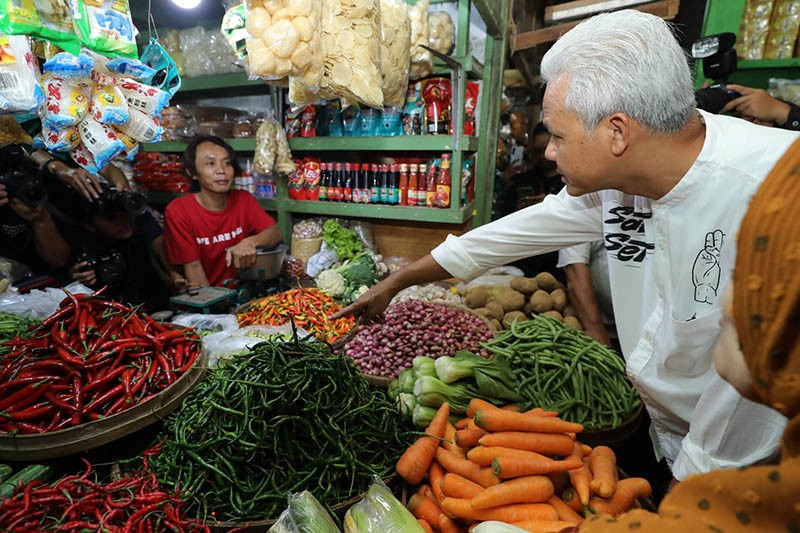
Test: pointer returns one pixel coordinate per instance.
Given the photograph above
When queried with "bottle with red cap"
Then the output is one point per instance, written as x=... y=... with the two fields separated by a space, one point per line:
x=347 y=183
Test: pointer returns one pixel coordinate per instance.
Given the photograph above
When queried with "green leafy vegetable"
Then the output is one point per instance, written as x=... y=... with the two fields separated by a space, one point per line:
x=343 y=241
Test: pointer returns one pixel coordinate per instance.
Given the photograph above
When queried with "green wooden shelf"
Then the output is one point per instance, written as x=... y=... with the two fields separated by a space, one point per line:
x=219 y=81
x=754 y=64
x=421 y=214
x=415 y=143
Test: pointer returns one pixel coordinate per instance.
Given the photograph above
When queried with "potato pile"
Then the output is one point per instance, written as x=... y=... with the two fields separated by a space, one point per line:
x=541 y=295
x=395 y=51
x=351 y=47
x=285 y=40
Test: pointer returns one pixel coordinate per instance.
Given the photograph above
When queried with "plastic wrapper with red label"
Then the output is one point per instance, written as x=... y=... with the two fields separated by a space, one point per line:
x=19 y=76
x=144 y=98
x=101 y=141
x=470 y=107
x=108 y=105
x=160 y=173
x=67 y=101
x=296 y=179
x=437 y=95
x=311 y=175
x=142 y=127
x=308 y=122
x=83 y=157
x=60 y=140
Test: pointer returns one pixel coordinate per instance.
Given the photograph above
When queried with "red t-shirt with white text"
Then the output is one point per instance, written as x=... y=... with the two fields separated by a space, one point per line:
x=192 y=232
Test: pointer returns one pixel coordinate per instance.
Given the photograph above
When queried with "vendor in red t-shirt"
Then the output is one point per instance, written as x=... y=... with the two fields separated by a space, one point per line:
x=217 y=230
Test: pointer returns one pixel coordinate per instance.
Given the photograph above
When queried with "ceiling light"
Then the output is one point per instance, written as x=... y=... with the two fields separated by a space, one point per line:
x=187 y=4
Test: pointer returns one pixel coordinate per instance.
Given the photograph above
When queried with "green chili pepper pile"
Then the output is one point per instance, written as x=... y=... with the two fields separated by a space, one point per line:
x=564 y=370
x=283 y=418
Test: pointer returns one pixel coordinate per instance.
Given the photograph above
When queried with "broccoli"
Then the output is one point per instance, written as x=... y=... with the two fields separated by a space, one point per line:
x=349 y=280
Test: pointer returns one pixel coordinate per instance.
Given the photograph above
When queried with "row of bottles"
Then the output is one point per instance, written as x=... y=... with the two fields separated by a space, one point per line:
x=391 y=184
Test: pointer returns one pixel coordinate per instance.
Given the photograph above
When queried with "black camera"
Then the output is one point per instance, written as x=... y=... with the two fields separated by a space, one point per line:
x=117 y=201
x=109 y=267
x=719 y=62
x=25 y=187
x=20 y=177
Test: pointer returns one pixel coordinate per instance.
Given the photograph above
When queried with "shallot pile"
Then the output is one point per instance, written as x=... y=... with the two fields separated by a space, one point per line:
x=411 y=328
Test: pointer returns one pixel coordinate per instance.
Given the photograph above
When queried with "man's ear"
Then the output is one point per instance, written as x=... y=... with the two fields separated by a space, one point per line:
x=620 y=130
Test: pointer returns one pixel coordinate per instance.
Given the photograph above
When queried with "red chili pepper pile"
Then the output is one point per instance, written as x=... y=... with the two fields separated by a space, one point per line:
x=309 y=308
x=77 y=503
x=91 y=359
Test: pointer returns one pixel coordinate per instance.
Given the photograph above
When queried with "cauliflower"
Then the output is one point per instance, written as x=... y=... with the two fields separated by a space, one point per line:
x=331 y=282
x=359 y=291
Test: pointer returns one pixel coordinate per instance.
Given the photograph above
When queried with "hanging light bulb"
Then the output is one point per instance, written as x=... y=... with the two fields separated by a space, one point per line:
x=187 y=4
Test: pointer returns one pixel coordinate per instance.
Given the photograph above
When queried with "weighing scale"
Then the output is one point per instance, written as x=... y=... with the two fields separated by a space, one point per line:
x=203 y=299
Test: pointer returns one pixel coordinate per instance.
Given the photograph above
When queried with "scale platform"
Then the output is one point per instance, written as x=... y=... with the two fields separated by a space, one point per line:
x=203 y=299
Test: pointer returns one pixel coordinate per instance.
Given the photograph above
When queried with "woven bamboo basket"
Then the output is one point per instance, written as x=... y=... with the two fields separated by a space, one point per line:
x=303 y=249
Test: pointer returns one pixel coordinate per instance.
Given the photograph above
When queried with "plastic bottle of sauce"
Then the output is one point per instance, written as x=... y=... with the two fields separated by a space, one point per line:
x=375 y=185
x=443 y=182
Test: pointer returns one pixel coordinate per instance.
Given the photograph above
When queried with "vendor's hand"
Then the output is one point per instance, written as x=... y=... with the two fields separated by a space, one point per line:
x=243 y=255
x=80 y=180
x=756 y=105
x=368 y=305
x=179 y=283
x=3 y=195
x=29 y=213
x=81 y=272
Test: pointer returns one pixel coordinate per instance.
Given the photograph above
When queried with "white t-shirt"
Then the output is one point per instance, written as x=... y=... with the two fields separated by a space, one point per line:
x=593 y=254
x=669 y=260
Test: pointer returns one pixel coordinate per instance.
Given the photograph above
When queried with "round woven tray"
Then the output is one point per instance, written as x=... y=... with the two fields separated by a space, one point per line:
x=616 y=436
x=93 y=434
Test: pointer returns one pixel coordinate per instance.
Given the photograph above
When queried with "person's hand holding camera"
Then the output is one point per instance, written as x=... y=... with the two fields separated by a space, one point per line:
x=756 y=105
x=34 y=214
x=243 y=255
x=83 y=273
x=76 y=178
x=3 y=195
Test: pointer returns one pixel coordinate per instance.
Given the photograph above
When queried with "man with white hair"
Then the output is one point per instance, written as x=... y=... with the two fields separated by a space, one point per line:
x=665 y=186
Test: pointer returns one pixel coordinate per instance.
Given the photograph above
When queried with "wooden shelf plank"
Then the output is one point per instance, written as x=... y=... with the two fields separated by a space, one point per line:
x=666 y=9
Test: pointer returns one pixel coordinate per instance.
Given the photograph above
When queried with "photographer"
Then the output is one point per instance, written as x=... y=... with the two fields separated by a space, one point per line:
x=757 y=105
x=27 y=231
x=116 y=242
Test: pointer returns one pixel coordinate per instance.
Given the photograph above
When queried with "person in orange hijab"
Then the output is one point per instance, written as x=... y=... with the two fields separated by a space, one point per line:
x=758 y=353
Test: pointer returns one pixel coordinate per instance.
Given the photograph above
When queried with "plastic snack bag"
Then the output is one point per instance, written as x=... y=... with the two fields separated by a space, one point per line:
x=82 y=156
x=100 y=140
x=64 y=65
x=130 y=68
x=395 y=51
x=442 y=31
x=105 y=26
x=142 y=127
x=108 y=105
x=143 y=97
x=61 y=139
x=421 y=59
x=285 y=40
x=352 y=47
x=49 y=20
x=67 y=102
x=19 y=76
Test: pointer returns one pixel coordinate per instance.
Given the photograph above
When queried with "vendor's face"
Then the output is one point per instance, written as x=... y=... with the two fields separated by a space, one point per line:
x=728 y=356
x=581 y=158
x=214 y=168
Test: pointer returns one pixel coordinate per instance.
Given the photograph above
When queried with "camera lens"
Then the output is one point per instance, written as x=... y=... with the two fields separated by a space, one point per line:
x=135 y=203
x=712 y=99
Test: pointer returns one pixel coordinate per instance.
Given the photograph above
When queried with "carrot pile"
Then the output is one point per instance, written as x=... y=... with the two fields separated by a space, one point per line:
x=308 y=308
x=526 y=469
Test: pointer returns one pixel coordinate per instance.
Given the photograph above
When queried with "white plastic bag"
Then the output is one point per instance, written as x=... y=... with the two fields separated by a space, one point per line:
x=203 y=322
x=38 y=303
x=230 y=343
x=19 y=76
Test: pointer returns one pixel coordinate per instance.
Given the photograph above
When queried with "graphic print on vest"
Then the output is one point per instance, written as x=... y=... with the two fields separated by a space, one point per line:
x=706 y=269
x=629 y=244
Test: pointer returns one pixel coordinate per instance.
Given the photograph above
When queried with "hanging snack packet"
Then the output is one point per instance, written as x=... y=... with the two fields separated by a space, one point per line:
x=65 y=65
x=108 y=105
x=285 y=40
x=296 y=178
x=130 y=68
x=395 y=51
x=105 y=26
x=352 y=48
x=61 y=139
x=83 y=157
x=100 y=140
x=131 y=145
x=143 y=97
x=67 y=102
x=19 y=76
x=142 y=127
x=50 y=21
x=421 y=59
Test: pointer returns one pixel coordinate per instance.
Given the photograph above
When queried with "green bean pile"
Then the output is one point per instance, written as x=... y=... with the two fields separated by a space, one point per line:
x=283 y=418
x=564 y=370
